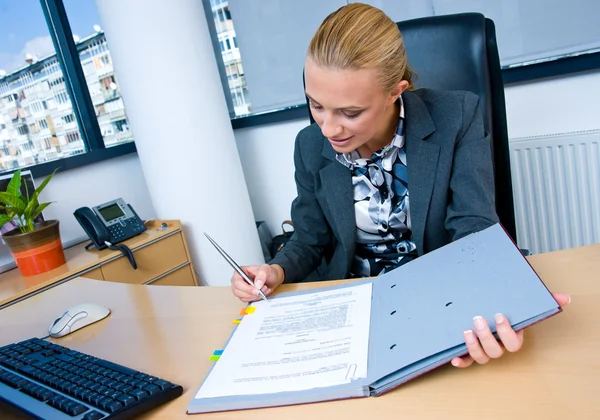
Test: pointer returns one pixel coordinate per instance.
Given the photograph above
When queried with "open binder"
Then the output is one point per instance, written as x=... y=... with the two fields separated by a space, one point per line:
x=419 y=312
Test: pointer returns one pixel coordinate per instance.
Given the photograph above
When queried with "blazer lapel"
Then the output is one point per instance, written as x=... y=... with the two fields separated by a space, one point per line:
x=337 y=185
x=421 y=162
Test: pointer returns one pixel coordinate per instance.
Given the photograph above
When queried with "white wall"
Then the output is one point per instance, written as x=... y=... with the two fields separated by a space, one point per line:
x=557 y=105
x=267 y=154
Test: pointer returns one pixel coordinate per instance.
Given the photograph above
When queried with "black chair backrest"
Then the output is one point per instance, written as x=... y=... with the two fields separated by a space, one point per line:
x=459 y=52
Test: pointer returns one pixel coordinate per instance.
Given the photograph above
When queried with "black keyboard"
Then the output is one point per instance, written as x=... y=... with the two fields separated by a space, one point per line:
x=48 y=381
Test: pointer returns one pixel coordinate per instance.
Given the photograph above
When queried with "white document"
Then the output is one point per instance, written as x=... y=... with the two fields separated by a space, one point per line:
x=295 y=343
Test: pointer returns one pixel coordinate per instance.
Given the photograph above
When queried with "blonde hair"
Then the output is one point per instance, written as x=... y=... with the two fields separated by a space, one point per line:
x=358 y=36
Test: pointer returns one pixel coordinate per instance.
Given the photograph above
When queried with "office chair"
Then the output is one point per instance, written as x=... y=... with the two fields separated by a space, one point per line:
x=459 y=52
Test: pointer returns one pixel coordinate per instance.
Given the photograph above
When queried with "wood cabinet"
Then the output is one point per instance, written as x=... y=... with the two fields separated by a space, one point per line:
x=161 y=254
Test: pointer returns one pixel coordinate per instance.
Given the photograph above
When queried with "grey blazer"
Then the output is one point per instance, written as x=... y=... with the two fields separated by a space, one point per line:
x=450 y=179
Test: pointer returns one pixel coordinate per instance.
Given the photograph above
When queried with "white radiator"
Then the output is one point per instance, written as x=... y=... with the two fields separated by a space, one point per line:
x=556 y=184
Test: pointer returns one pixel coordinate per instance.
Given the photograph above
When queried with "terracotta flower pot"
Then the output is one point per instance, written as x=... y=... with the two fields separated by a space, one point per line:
x=38 y=251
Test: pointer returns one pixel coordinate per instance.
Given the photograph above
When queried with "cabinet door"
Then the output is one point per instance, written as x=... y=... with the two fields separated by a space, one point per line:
x=152 y=261
x=180 y=277
x=95 y=274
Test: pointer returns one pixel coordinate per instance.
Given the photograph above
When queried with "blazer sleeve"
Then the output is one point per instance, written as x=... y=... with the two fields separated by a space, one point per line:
x=304 y=251
x=471 y=207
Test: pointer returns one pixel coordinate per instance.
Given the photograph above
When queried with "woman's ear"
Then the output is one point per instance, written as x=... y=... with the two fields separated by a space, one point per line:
x=397 y=90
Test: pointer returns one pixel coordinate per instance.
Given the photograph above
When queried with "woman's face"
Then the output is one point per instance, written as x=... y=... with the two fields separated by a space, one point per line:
x=351 y=106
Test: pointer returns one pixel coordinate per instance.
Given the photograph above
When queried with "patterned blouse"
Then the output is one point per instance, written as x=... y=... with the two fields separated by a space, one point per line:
x=381 y=206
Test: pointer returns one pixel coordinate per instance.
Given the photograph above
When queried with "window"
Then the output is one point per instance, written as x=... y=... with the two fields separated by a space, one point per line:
x=274 y=37
x=23 y=130
x=29 y=76
x=38 y=102
x=72 y=136
x=230 y=56
x=94 y=54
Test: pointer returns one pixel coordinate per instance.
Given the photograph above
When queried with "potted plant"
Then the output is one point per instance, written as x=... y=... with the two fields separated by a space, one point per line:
x=35 y=244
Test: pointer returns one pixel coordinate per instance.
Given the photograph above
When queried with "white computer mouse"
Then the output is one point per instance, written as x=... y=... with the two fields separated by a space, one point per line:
x=77 y=317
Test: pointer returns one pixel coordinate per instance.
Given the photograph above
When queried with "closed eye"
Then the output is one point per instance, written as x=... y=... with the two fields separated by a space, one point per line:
x=351 y=116
x=315 y=106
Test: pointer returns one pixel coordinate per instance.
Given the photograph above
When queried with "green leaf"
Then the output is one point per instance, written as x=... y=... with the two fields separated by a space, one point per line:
x=40 y=209
x=32 y=205
x=4 y=219
x=14 y=186
x=39 y=189
x=15 y=202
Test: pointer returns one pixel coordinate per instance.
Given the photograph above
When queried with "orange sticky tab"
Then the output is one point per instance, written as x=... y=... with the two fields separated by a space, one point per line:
x=243 y=312
x=236 y=321
x=250 y=309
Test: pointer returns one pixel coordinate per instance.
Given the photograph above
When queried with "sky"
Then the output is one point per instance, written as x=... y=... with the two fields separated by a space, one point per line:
x=23 y=28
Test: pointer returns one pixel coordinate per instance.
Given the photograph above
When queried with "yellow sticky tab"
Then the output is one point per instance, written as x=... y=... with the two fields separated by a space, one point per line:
x=250 y=309
x=214 y=357
x=236 y=321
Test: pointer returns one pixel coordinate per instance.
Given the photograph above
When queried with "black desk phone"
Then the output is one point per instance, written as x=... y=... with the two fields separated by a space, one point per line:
x=111 y=223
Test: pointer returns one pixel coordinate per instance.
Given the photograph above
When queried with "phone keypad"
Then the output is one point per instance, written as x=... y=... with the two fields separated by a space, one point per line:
x=126 y=229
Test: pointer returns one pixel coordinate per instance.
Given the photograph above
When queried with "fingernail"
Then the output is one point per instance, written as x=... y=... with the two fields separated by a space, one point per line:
x=479 y=323
x=499 y=318
x=569 y=298
x=268 y=291
x=469 y=336
x=454 y=362
x=259 y=284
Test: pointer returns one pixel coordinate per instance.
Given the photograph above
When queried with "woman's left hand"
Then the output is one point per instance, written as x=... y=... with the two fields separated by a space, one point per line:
x=483 y=346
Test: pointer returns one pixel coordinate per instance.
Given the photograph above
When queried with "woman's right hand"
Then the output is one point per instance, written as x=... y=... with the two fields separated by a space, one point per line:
x=266 y=278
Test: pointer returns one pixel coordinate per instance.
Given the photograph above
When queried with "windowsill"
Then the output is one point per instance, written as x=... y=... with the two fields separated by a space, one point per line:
x=82 y=159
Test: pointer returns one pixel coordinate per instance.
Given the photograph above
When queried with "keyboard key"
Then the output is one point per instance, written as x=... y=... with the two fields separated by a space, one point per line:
x=139 y=394
x=127 y=400
x=104 y=403
x=27 y=370
x=118 y=368
x=127 y=389
x=77 y=409
x=96 y=399
x=93 y=415
x=114 y=406
x=114 y=395
x=151 y=389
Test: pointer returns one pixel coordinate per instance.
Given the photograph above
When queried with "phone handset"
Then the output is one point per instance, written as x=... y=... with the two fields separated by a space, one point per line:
x=99 y=233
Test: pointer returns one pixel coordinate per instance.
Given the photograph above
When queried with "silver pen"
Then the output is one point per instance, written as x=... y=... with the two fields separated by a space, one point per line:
x=235 y=266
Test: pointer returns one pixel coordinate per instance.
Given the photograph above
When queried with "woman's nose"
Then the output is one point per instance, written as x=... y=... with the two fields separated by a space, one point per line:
x=330 y=128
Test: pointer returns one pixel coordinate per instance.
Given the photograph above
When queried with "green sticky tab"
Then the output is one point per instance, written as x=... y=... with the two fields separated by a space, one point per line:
x=215 y=357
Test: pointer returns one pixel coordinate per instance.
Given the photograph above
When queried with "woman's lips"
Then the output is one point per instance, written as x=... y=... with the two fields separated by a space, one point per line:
x=340 y=142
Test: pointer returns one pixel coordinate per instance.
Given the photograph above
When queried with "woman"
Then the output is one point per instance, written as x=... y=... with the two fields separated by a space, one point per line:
x=387 y=173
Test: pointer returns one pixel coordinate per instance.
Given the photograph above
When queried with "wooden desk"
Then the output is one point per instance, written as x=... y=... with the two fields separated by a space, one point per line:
x=172 y=331
x=162 y=256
